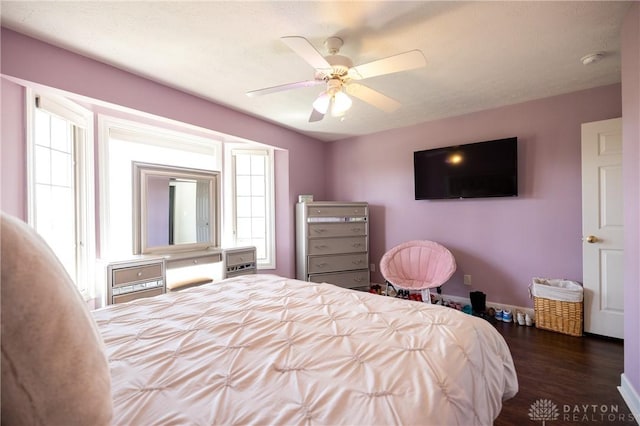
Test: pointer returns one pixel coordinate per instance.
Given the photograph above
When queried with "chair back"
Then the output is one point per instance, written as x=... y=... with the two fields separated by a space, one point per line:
x=417 y=264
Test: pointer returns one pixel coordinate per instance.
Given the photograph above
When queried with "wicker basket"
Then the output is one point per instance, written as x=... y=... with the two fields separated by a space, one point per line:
x=560 y=316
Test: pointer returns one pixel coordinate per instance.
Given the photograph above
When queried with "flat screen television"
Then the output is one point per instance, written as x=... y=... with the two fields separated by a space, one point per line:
x=475 y=170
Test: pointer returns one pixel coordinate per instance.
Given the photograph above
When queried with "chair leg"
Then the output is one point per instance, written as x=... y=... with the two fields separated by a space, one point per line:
x=395 y=289
x=426 y=295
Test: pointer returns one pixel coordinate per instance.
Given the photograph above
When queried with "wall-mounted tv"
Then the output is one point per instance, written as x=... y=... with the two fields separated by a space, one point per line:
x=475 y=170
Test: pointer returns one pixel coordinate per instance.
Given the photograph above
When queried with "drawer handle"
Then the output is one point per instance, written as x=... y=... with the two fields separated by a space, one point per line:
x=139 y=274
x=356 y=230
x=321 y=246
x=356 y=245
x=318 y=211
x=241 y=258
x=322 y=265
x=195 y=261
x=319 y=231
x=357 y=262
x=358 y=279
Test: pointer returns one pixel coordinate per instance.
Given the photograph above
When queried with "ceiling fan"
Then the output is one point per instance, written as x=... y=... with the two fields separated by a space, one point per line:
x=339 y=74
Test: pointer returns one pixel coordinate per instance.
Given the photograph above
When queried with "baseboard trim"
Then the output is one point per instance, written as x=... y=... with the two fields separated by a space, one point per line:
x=467 y=301
x=630 y=396
x=513 y=308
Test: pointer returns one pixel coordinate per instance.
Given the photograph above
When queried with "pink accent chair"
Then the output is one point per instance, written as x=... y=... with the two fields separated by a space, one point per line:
x=418 y=265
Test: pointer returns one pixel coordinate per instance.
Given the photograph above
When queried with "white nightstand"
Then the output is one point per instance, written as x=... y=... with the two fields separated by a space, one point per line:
x=239 y=261
x=135 y=278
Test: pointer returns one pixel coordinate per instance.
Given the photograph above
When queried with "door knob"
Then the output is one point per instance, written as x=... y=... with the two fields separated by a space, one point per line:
x=591 y=239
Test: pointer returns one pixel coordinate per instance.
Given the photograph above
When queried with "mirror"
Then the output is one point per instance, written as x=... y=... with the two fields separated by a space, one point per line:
x=175 y=208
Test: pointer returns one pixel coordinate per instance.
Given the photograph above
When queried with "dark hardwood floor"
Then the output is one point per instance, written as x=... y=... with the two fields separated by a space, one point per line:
x=579 y=375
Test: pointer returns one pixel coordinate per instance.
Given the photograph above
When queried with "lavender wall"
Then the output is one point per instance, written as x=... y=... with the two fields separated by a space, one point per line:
x=502 y=243
x=33 y=61
x=13 y=176
x=630 y=44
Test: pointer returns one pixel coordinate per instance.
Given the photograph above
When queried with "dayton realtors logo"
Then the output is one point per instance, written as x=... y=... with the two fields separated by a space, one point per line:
x=546 y=410
x=543 y=410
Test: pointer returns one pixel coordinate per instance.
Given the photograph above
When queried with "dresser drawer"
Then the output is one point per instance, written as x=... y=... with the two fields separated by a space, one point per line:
x=241 y=257
x=137 y=273
x=137 y=295
x=337 y=211
x=343 y=262
x=346 y=229
x=343 y=279
x=192 y=261
x=337 y=245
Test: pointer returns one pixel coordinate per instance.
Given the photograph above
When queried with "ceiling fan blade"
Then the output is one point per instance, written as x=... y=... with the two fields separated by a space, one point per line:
x=288 y=86
x=306 y=51
x=401 y=62
x=315 y=116
x=373 y=97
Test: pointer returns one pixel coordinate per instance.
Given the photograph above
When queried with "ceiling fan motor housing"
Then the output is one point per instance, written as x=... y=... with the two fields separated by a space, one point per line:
x=340 y=65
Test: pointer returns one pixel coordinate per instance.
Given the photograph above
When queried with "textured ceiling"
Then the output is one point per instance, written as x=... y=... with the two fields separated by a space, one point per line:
x=479 y=54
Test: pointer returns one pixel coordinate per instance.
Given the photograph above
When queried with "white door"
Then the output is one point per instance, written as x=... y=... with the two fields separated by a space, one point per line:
x=602 y=227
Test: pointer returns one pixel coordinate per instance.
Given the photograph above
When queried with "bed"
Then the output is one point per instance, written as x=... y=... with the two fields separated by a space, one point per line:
x=256 y=349
x=263 y=349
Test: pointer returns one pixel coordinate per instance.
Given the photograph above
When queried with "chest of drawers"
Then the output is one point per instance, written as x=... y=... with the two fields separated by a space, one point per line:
x=332 y=243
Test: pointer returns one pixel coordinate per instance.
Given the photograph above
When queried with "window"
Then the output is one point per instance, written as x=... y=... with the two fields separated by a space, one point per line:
x=252 y=202
x=60 y=170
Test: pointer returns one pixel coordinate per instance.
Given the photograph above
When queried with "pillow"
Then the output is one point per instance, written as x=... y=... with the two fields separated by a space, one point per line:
x=54 y=369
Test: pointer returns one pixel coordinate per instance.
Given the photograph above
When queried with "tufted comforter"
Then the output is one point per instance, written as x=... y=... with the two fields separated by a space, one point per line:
x=263 y=349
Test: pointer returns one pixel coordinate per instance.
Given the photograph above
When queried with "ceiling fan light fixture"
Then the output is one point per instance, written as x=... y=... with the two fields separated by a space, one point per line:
x=341 y=104
x=337 y=71
x=321 y=104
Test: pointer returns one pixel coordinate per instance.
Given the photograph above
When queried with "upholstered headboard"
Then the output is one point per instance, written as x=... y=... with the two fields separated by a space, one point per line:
x=54 y=369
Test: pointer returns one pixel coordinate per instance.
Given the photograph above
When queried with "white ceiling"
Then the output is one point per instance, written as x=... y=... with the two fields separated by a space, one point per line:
x=479 y=54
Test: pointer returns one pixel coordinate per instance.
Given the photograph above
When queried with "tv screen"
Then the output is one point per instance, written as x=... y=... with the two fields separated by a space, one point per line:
x=475 y=170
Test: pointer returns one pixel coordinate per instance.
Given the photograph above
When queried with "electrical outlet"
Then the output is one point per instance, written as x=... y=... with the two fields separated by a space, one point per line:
x=372 y=267
x=467 y=280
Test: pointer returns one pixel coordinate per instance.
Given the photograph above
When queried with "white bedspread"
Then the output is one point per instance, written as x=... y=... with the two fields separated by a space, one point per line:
x=263 y=349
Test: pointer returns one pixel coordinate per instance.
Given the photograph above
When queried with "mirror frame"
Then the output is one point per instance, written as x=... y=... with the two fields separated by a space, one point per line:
x=141 y=172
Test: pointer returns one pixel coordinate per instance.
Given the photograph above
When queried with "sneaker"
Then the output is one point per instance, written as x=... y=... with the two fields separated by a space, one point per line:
x=528 y=320
x=520 y=317
x=499 y=314
x=507 y=316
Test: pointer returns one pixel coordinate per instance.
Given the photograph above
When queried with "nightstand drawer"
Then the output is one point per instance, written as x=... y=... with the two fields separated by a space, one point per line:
x=241 y=257
x=344 y=262
x=337 y=229
x=137 y=295
x=137 y=273
x=337 y=245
